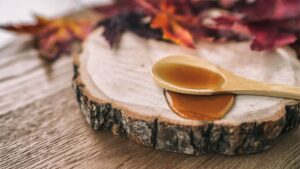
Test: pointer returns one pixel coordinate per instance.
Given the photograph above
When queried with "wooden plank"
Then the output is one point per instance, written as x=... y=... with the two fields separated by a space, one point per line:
x=24 y=78
x=41 y=127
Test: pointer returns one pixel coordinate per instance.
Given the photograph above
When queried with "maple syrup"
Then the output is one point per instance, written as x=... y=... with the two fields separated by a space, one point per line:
x=198 y=107
x=189 y=76
x=195 y=107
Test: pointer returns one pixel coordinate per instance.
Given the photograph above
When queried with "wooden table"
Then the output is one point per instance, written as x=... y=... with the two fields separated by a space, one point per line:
x=41 y=126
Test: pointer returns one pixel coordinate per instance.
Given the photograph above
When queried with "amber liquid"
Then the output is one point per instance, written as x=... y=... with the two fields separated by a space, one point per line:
x=189 y=77
x=195 y=107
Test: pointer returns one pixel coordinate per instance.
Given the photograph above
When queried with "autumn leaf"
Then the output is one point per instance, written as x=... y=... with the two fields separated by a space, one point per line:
x=261 y=10
x=53 y=37
x=271 y=23
x=170 y=23
x=115 y=26
x=267 y=37
x=31 y=29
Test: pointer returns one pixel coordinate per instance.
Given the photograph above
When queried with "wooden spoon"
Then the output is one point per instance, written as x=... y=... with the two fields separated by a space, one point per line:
x=196 y=76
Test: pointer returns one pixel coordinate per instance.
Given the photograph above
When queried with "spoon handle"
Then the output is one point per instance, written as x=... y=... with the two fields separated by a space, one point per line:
x=274 y=90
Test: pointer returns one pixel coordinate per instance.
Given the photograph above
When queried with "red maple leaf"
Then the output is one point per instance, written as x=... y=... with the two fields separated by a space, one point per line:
x=54 y=37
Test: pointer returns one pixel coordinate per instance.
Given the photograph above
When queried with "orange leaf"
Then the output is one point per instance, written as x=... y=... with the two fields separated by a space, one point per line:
x=54 y=37
x=28 y=28
x=170 y=23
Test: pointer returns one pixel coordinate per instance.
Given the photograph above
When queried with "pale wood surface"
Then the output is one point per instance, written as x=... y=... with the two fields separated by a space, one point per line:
x=41 y=127
x=121 y=76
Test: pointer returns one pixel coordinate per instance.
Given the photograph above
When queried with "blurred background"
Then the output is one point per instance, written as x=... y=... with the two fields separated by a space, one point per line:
x=20 y=11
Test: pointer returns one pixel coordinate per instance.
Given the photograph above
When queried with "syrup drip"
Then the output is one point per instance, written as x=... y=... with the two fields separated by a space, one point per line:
x=197 y=107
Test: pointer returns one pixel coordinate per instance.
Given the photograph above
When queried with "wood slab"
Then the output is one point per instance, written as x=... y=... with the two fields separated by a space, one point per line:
x=41 y=127
x=115 y=92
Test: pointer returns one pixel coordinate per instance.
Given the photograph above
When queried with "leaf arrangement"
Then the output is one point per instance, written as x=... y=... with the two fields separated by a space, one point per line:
x=267 y=23
x=53 y=37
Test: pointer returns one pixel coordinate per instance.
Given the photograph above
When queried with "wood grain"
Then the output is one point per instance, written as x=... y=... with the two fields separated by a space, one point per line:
x=41 y=127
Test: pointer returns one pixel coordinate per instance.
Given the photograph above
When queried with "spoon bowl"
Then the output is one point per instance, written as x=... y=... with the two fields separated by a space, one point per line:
x=196 y=76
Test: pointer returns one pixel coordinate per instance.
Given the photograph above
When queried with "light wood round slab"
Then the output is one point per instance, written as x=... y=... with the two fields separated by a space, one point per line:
x=115 y=91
